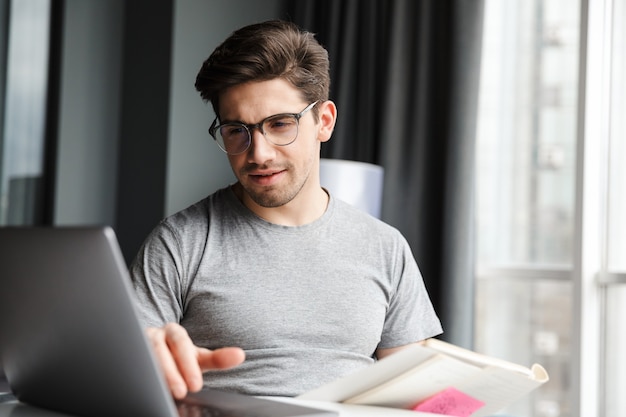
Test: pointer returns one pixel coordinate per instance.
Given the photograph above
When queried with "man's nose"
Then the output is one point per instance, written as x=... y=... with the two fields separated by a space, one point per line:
x=261 y=150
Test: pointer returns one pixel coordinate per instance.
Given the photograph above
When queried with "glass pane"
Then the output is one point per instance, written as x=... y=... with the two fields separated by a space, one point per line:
x=617 y=182
x=527 y=132
x=22 y=140
x=615 y=366
x=529 y=322
x=615 y=337
x=525 y=190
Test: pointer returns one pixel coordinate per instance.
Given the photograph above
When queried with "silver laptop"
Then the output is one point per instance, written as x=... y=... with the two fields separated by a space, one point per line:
x=71 y=341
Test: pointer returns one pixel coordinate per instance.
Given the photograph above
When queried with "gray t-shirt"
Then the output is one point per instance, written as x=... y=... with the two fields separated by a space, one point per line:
x=308 y=304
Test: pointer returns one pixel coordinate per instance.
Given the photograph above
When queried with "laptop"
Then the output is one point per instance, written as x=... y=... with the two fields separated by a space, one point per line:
x=71 y=340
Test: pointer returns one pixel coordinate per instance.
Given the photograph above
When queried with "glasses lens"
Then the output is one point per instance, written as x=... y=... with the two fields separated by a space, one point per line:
x=233 y=138
x=281 y=129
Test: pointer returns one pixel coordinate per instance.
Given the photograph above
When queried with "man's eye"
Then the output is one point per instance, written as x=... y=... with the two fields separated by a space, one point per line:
x=232 y=130
x=281 y=123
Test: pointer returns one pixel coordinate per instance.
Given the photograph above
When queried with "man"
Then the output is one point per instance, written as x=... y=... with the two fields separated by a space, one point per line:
x=307 y=286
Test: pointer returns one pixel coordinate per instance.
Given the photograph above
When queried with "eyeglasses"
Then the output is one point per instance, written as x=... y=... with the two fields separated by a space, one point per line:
x=234 y=138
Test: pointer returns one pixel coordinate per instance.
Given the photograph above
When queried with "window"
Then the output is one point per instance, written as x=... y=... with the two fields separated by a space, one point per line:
x=617 y=132
x=526 y=159
x=551 y=193
x=613 y=273
x=24 y=106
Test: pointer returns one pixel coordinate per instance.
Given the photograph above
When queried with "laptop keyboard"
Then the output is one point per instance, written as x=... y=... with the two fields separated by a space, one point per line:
x=196 y=410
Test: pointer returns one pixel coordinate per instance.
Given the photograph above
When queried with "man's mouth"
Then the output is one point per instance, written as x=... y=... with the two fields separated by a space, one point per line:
x=264 y=174
x=266 y=177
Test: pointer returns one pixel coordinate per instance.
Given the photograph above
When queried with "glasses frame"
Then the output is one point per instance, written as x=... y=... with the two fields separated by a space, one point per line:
x=250 y=127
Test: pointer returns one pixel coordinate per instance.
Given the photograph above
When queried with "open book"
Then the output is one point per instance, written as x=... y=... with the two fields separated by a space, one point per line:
x=419 y=374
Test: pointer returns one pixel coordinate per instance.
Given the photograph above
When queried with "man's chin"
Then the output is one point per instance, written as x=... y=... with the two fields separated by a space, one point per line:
x=268 y=198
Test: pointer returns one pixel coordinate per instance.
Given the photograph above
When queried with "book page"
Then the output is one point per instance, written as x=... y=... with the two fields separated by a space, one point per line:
x=497 y=388
x=371 y=376
x=414 y=374
x=405 y=391
x=476 y=358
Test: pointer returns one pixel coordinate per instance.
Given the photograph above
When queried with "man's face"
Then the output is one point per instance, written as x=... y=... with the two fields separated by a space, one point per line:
x=272 y=175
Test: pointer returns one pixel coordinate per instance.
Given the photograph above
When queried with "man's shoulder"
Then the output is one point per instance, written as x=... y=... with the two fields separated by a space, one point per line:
x=199 y=213
x=358 y=218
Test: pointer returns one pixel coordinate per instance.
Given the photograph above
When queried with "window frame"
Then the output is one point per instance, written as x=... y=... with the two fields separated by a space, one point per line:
x=591 y=277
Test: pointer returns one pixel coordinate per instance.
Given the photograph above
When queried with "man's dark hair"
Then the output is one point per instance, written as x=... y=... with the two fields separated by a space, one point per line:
x=262 y=52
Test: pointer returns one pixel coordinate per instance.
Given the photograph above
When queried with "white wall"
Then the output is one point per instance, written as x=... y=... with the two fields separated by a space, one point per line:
x=90 y=100
x=89 y=112
x=196 y=166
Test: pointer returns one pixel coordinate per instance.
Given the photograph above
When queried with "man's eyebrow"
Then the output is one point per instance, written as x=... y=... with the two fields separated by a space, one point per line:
x=224 y=121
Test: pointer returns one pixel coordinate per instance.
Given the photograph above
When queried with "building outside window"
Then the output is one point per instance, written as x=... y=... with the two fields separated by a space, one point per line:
x=24 y=77
x=538 y=190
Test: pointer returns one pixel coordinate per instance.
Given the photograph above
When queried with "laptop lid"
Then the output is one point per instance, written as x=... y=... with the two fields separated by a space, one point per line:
x=70 y=338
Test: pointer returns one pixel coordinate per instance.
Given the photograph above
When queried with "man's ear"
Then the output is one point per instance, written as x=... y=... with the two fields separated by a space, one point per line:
x=327 y=117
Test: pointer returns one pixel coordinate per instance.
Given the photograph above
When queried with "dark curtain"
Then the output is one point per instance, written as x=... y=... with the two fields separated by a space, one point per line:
x=405 y=79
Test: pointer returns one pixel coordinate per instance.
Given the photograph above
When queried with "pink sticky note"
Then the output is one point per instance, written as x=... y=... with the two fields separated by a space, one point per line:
x=450 y=402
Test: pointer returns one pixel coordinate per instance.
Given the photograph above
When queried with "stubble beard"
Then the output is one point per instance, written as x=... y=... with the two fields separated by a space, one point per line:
x=272 y=197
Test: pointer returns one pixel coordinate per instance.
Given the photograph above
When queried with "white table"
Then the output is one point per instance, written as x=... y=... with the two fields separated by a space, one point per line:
x=350 y=410
x=345 y=410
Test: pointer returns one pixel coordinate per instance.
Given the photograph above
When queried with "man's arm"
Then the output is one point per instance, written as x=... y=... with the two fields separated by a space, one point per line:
x=182 y=362
x=381 y=353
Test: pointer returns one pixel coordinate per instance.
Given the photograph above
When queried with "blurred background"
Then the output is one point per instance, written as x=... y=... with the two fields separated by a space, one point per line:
x=499 y=125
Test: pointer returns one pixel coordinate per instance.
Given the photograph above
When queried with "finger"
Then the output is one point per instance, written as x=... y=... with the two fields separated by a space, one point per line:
x=223 y=358
x=184 y=353
x=173 y=377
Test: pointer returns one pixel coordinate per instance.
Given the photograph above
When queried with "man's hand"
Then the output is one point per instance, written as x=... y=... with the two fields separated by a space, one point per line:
x=183 y=362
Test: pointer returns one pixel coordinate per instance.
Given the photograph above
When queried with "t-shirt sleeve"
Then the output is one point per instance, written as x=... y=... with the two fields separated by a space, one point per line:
x=156 y=277
x=411 y=316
